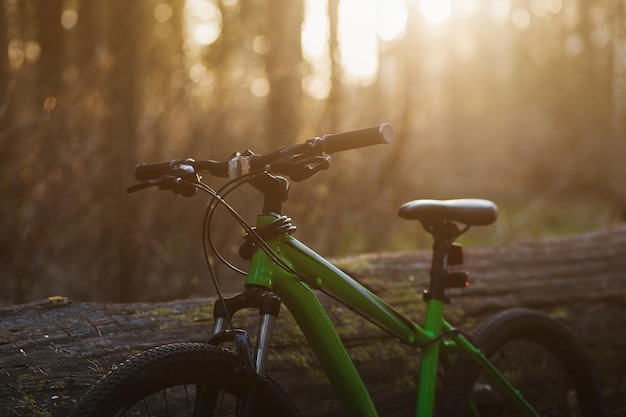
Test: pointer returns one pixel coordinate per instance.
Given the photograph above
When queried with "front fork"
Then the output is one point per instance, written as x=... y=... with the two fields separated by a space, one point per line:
x=268 y=305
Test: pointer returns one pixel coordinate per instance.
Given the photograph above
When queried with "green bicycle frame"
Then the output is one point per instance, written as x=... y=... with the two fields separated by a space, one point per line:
x=300 y=299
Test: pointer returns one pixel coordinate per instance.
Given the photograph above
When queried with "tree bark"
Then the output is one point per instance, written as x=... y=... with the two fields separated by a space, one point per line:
x=52 y=351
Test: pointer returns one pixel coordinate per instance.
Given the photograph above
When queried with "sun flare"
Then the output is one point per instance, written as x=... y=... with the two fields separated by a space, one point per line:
x=436 y=11
x=362 y=25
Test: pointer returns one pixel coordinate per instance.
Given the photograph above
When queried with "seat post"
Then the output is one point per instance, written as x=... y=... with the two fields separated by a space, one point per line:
x=444 y=234
x=439 y=269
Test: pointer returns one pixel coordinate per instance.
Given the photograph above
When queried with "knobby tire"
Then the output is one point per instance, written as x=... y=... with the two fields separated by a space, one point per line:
x=185 y=379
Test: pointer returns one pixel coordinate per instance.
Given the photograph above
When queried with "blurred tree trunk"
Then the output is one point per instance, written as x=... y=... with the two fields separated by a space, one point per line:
x=333 y=106
x=283 y=62
x=165 y=83
x=619 y=70
x=5 y=77
x=89 y=61
x=219 y=58
x=45 y=142
x=14 y=178
x=406 y=52
x=125 y=29
x=594 y=109
x=595 y=68
x=89 y=31
x=49 y=91
x=7 y=182
x=618 y=93
x=26 y=139
x=51 y=60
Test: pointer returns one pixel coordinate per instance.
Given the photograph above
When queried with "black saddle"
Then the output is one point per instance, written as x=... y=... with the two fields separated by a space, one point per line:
x=468 y=211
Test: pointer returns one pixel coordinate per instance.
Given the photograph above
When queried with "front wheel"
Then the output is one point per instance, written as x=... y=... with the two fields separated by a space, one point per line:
x=187 y=379
x=539 y=356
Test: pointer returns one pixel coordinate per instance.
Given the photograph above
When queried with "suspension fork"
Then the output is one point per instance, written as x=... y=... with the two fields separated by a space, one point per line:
x=246 y=369
x=250 y=367
x=268 y=305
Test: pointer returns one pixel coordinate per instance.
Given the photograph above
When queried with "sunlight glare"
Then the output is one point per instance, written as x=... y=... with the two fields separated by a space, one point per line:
x=362 y=25
x=392 y=16
x=436 y=11
x=69 y=18
x=466 y=8
x=206 y=33
x=314 y=38
x=520 y=19
x=357 y=39
x=163 y=12
x=260 y=87
x=500 y=10
x=315 y=29
x=204 y=21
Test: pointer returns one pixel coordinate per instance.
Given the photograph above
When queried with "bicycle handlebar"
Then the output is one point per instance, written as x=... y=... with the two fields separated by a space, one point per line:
x=307 y=153
x=146 y=172
x=375 y=135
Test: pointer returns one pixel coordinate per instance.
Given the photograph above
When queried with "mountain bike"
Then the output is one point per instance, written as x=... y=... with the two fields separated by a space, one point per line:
x=516 y=363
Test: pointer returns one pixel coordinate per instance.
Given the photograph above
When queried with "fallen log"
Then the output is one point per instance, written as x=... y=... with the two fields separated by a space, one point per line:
x=53 y=350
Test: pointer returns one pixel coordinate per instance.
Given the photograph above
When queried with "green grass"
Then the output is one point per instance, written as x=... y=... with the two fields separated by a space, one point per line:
x=538 y=218
x=541 y=218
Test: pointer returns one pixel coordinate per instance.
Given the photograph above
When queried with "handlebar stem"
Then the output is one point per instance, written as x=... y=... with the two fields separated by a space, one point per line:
x=275 y=190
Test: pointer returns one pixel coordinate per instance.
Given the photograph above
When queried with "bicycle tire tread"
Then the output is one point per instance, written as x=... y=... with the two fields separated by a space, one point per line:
x=151 y=361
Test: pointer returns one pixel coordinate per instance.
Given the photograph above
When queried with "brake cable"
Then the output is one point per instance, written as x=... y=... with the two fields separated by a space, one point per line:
x=252 y=233
x=250 y=230
x=208 y=218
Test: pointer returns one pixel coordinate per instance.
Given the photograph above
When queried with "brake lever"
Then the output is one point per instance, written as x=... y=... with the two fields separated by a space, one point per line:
x=308 y=167
x=142 y=186
x=166 y=182
x=177 y=185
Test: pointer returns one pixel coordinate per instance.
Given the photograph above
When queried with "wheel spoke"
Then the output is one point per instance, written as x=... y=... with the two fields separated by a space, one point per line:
x=206 y=398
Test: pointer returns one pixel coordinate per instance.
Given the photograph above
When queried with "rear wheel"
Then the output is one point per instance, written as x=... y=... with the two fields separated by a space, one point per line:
x=179 y=380
x=539 y=356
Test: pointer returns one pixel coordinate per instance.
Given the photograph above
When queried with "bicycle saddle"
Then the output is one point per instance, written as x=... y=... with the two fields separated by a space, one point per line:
x=469 y=211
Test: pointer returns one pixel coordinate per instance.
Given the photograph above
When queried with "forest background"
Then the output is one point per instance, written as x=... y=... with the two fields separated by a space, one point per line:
x=519 y=101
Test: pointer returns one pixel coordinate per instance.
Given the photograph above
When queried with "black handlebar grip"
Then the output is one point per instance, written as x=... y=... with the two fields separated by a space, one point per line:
x=374 y=135
x=145 y=172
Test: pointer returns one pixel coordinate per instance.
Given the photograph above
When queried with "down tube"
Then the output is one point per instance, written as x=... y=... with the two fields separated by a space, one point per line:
x=321 y=335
